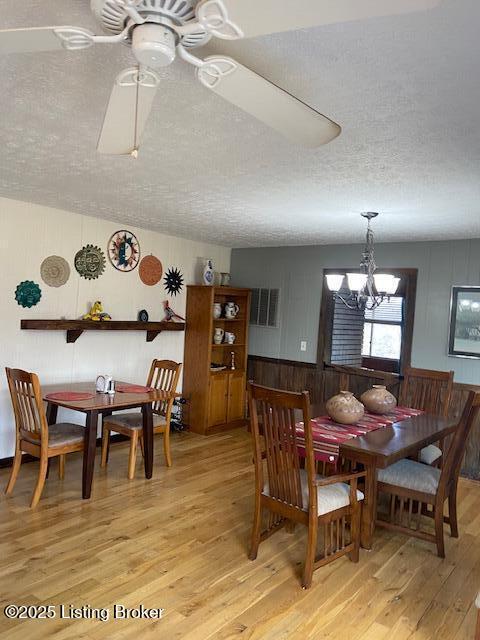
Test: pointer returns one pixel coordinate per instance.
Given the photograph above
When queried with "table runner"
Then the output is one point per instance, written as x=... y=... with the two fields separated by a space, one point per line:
x=329 y=435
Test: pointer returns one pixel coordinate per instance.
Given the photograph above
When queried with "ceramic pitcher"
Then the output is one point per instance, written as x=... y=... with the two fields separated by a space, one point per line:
x=231 y=310
x=217 y=310
x=218 y=335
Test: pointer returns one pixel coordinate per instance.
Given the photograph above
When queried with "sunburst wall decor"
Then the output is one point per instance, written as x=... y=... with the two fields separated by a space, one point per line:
x=173 y=281
x=124 y=250
x=28 y=294
x=90 y=262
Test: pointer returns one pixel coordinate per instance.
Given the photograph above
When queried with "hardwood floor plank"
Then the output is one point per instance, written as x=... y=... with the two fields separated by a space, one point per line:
x=180 y=541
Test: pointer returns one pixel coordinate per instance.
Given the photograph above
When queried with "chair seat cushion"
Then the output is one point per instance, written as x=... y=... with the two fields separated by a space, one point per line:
x=411 y=475
x=132 y=421
x=428 y=455
x=60 y=435
x=330 y=498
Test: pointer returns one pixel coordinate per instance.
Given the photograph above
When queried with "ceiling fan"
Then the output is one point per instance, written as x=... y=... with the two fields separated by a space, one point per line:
x=160 y=30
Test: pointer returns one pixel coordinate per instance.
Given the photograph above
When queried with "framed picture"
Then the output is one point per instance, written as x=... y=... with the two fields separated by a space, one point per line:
x=464 y=337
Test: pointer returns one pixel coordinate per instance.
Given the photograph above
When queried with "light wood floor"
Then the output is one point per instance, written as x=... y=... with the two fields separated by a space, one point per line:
x=179 y=542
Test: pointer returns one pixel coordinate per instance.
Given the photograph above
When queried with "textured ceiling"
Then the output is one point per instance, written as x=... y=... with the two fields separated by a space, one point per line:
x=406 y=91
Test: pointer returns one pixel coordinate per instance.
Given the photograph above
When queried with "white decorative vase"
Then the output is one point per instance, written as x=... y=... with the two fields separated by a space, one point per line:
x=208 y=274
x=217 y=310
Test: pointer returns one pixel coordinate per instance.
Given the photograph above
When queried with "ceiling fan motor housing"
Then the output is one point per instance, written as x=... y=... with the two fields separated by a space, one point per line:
x=153 y=45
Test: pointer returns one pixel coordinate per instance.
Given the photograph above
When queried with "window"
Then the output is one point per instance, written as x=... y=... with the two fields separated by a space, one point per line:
x=264 y=307
x=380 y=339
x=382 y=330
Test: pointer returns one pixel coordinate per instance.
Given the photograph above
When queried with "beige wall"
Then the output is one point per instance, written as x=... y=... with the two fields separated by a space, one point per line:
x=29 y=233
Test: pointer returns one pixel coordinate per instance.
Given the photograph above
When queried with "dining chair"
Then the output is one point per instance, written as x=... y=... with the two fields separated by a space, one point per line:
x=431 y=391
x=287 y=494
x=410 y=484
x=164 y=375
x=33 y=434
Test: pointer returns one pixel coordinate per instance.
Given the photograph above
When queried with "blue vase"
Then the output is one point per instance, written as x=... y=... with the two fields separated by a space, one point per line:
x=208 y=274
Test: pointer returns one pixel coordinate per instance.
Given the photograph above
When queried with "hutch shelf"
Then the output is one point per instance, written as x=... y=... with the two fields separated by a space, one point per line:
x=216 y=399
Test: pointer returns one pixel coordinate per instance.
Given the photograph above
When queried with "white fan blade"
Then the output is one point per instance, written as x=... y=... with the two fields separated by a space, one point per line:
x=281 y=111
x=128 y=110
x=44 y=39
x=231 y=19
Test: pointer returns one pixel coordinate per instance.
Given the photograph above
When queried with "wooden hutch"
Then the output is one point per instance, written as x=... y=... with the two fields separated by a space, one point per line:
x=216 y=400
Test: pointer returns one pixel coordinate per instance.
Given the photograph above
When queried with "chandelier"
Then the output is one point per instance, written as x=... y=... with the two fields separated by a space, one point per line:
x=367 y=289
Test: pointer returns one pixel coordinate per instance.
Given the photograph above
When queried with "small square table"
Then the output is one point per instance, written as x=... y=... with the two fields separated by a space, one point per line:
x=105 y=404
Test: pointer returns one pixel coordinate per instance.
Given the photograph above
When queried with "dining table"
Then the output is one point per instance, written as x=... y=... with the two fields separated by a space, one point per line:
x=380 y=447
x=104 y=404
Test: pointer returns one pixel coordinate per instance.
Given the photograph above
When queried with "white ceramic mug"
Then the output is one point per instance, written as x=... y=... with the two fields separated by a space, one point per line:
x=218 y=335
x=231 y=310
x=229 y=337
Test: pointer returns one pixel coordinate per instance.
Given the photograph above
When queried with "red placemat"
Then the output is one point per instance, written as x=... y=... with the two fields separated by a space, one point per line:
x=69 y=395
x=132 y=388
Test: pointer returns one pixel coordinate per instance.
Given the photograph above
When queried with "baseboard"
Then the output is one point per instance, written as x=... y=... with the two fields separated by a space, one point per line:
x=7 y=462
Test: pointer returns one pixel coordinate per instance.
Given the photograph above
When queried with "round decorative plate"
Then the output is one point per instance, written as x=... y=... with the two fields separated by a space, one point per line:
x=150 y=270
x=28 y=294
x=90 y=262
x=124 y=250
x=55 y=271
x=173 y=281
x=143 y=315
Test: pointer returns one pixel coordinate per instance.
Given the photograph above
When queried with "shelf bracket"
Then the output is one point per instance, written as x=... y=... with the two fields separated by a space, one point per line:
x=73 y=335
x=151 y=335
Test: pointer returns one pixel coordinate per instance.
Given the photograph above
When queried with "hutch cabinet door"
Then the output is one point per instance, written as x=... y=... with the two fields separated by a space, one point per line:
x=236 y=397
x=218 y=399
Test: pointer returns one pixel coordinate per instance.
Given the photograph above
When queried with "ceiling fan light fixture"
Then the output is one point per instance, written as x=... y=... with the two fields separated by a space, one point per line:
x=154 y=45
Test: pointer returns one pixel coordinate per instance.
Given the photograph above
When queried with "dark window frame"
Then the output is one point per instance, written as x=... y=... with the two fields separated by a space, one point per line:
x=407 y=289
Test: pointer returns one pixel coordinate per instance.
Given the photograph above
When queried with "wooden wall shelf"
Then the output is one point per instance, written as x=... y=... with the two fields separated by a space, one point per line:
x=75 y=328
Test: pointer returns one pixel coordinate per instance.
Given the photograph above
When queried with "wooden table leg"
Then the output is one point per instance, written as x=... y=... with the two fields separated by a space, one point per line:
x=369 y=507
x=89 y=446
x=148 y=439
x=51 y=413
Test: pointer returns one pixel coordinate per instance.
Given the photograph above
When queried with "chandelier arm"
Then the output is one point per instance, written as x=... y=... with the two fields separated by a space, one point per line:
x=346 y=302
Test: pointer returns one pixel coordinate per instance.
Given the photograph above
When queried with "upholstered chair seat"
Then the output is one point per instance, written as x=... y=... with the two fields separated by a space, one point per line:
x=330 y=497
x=411 y=475
x=59 y=435
x=430 y=454
x=133 y=421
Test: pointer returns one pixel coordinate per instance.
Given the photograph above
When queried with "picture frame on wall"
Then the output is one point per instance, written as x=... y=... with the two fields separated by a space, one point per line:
x=464 y=333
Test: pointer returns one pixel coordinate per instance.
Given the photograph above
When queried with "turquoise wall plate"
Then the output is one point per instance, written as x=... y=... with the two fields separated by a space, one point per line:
x=28 y=294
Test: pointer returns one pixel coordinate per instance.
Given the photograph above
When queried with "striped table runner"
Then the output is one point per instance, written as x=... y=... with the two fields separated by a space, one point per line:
x=329 y=435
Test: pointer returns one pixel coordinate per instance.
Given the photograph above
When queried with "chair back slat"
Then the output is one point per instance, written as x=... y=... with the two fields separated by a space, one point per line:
x=276 y=411
x=456 y=451
x=163 y=376
x=427 y=389
x=27 y=404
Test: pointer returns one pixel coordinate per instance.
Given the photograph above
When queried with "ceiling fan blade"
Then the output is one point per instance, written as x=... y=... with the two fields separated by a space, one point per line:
x=127 y=112
x=273 y=106
x=232 y=19
x=44 y=39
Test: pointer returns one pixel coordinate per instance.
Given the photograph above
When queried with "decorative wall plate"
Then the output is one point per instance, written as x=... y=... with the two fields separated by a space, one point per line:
x=143 y=315
x=150 y=270
x=124 y=250
x=173 y=281
x=90 y=262
x=55 y=271
x=28 y=294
